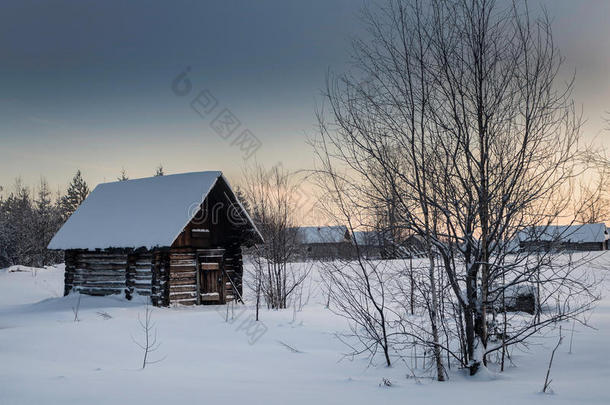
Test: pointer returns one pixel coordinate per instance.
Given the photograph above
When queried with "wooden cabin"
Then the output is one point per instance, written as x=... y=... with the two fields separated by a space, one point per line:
x=176 y=239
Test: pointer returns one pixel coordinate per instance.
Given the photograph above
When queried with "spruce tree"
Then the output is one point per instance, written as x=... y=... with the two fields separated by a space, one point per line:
x=4 y=235
x=47 y=221
x=19 y=227
x=76 y=194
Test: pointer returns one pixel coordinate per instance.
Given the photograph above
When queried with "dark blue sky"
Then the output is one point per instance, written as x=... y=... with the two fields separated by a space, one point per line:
x=87 y=84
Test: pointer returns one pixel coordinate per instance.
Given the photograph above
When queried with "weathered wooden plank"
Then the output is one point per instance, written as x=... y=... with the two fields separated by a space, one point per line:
x=183 y=282
x=178 y=263
x=207 y=297
x=105 y=270
x=185 y=275
x=115 y=284
x=101 y=266
x=99 y=272
x=183 y=288
x=102 y=258
x=98 y=291
x=182 y=259
x=181 y=296
x=109 y=270
x=82 y=278
x=99 y=277
x=210 y=266
x=184 y=302
x=145 y=293
x=99 y=260
x=143 y=285
x=98 y=281
x=188 y=269
x=211 y=252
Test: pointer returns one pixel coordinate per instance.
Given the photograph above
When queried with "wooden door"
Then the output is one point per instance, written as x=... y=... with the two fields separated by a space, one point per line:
x=211 y=276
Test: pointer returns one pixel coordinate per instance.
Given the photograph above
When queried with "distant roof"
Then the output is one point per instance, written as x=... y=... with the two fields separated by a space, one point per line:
x=149 y=212
x=321 y=234
x=566 y=233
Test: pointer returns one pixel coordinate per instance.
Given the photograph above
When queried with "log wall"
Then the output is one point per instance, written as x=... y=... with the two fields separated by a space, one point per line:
x=139 y=275
x=96 y=273
x=108 y=273
x=182 y=278
x=160 y=278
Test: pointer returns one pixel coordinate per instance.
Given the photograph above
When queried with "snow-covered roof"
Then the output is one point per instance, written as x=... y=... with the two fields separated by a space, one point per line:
x=149 y=212
x=321 y=234
x=566 y=233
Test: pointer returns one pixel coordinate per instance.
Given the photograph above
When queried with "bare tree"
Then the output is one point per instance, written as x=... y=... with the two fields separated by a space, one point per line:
x=462 y=126
x=272 y=198
x=593 y=206
x=149 y=343
x=356 y=288
x=358 y=294
x=123 y=176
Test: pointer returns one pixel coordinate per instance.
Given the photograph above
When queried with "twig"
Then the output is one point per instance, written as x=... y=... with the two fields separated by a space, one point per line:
x=292 y=349
x=547 y=382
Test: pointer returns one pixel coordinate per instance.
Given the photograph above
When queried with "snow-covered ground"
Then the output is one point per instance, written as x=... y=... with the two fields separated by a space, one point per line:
x=47 y=357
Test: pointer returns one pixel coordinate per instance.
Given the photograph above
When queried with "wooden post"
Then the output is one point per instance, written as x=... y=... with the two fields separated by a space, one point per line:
x=69 y=259
x=166 y=278
x=155 y=285
x=198 y=277
x=130 y=275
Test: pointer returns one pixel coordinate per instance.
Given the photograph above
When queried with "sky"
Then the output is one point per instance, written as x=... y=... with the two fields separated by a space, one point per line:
x=96 y=85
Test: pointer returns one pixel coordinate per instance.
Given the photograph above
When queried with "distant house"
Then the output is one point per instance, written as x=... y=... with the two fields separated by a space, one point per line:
x=587 y=237
x=324 y=242
x=174 y=238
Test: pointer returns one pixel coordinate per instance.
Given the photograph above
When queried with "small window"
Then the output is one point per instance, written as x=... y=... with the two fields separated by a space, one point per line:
x=200 y=233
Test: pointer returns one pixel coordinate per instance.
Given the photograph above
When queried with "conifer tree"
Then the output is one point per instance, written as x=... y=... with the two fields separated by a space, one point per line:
x=77 y=192
x=18 y=229
x=4 y=240
x=47 y=221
